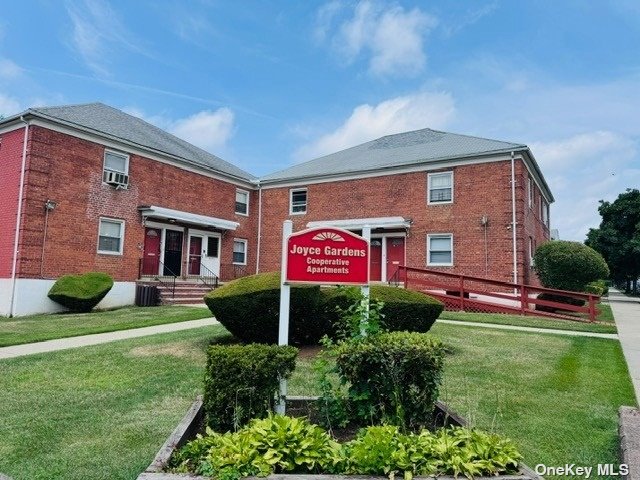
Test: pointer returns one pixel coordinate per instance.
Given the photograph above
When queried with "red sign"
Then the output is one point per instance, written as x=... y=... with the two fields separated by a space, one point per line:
x=328 y=256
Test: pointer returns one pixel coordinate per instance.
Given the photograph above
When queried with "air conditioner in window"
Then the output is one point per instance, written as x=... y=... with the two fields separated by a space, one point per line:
x=116 y=179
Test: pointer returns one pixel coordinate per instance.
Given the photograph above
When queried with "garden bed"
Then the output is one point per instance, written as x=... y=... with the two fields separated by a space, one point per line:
x=193 y=423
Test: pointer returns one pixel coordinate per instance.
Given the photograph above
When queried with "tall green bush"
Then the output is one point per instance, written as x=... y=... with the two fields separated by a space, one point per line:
x=392 y=377
x=80 y=293
x=568 y=265
x=241 y=382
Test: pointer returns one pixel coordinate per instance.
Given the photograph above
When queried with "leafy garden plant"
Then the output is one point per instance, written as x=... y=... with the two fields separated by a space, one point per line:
x=279 y=444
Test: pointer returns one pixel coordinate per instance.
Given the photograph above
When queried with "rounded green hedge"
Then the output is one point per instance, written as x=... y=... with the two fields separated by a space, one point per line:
x=80 y=293
x=568 y=265
x=249 y=308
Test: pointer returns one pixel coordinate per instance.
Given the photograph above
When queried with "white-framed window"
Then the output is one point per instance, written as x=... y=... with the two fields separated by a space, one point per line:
x=440 y=187
x=440 y=250
x=239 y=251
x=115 y=169
x=110 y=236
x=298 y=201
x=242 y=202
x=530 y=191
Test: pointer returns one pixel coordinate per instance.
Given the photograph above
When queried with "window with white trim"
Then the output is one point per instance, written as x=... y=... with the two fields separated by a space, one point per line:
x=115 y=169
x=242 y=202
x=110 y=236
x=530 y=192
x=545 y=213
x=440 y=186
x=440 y=250
x=298 y=201
x=239 y=251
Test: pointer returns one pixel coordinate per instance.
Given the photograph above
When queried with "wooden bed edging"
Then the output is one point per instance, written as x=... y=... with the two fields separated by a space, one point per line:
x=192 y=422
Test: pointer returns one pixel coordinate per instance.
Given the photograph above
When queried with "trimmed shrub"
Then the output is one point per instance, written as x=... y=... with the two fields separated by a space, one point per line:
x=80 y=293
x=568 y=265
x=403 y=310
x=598 y=287
x=249 y=308
x=241 y=382
x=393 y=377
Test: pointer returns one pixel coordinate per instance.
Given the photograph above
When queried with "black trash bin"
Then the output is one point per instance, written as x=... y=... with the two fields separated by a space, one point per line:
x=147 y=295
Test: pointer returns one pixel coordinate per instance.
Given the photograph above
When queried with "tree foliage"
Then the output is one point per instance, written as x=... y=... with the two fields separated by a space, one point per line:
x=618 y=237
x=568 y=265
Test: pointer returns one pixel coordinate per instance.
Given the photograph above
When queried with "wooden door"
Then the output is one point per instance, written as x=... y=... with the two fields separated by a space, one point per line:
x=195 y=255
x=375 y=260
x=151 y=253
x=395 y=255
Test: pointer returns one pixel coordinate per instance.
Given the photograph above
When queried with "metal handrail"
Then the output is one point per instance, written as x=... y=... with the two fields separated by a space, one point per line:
x=173 y=283
x=210 y=279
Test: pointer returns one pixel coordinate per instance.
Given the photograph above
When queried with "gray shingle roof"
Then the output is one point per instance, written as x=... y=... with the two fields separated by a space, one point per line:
x=402 y=149
x=102 y=119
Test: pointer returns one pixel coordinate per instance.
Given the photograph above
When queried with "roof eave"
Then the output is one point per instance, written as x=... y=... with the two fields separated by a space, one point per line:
x=391 y=168
x=35 y=114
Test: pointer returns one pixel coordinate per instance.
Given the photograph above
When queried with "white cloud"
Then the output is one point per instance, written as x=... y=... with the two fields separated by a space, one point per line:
x=367 y=122
x=9 y=69
x=9 y=105
x=324 y=19
x=209 y=130
x=582 y=170
x=97 y=30
x=392 y=36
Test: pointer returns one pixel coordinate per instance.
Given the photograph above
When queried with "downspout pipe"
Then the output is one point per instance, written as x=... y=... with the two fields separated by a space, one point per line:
x=259 y=240
x=513 y=218
x=14 y=267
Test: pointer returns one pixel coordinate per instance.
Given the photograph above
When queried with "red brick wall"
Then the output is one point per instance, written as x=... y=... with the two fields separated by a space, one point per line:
x=10 y=169
x=479 y=189
x=69 y=170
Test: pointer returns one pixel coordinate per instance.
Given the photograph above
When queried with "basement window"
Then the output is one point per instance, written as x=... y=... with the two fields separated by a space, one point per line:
x=440 y=186
x=440 y=250
x=110 y=236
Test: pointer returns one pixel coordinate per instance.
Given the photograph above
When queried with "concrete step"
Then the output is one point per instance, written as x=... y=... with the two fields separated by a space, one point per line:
x=181 y=301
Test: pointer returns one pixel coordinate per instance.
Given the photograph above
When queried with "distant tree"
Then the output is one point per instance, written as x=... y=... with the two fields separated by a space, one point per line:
x=618 y=238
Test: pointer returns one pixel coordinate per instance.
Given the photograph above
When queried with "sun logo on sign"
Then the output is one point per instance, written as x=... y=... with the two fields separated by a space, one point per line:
x=328 y=236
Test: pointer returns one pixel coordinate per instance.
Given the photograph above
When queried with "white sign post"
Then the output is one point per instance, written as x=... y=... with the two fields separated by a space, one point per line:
x=366 y=234
x=285 y=297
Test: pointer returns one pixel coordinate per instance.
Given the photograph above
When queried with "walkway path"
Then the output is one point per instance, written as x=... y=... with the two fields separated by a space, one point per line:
x=626 y=311
x=573 y=333
x=98 y=338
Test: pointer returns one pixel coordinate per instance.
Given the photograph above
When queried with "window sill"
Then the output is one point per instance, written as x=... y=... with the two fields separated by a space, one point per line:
x=101 y=252
x=440 y=203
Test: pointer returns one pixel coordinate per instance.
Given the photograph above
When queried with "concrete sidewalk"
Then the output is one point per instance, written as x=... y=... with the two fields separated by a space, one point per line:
x=626 y=311
x=98 y=338
x=498 y=326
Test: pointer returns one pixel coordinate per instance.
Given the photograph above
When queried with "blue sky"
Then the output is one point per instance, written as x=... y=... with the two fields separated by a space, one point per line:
x=267 y=84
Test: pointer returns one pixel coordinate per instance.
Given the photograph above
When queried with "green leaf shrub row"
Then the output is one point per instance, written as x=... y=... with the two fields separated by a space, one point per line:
x=249 y=308
x=279 y=444
x=80 y=293
x=241 y=382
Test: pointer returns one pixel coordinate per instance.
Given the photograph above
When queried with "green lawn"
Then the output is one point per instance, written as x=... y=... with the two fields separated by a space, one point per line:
x=102 y=412
x=36 y=328
x=606 y=317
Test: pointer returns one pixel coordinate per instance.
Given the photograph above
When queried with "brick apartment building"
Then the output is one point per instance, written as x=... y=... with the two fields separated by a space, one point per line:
x=91 y=188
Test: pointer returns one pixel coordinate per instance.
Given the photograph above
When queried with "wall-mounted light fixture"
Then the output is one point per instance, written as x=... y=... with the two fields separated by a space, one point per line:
x=50 y=205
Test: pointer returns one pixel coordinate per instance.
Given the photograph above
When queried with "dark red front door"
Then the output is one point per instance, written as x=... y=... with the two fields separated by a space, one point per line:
x=395 y=255
x=195 y=255
x=151 y=255
x=375 y=256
